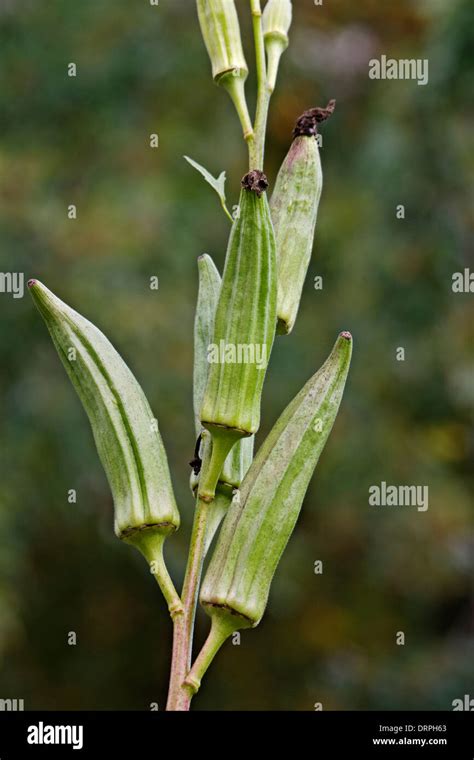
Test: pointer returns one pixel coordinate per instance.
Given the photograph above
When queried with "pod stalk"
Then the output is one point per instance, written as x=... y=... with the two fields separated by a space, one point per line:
x=223 y=440
x=221 y=628
x=150 y=544
x=275 y=49
x=235 y=86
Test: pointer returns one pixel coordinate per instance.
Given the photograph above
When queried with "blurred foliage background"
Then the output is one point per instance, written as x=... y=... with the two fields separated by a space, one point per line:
x=142 y=69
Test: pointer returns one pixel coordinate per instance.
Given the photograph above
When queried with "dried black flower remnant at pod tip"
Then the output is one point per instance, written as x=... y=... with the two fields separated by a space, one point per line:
x=308 y=122
x=256 y=181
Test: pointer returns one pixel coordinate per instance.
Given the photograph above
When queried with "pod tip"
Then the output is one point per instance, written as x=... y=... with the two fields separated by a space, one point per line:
x=283 y=326
x=346 y=335
x=255 y=181
x=30 y=283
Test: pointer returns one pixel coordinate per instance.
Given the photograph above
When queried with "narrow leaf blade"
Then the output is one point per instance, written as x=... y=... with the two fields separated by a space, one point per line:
x=217 y=183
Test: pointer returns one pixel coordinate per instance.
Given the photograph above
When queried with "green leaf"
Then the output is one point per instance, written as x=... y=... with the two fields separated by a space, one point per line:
x=218 y=184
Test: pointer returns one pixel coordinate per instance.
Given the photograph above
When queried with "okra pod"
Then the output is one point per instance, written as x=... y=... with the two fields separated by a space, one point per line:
x=240 y=457
x=125 y=431
x=260 y=521
x=244 y=329
x=294 y=207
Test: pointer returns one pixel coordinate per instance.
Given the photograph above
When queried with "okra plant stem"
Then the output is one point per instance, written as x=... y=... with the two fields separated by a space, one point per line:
x=257 y=145
x=178 y=698
x=180 y=694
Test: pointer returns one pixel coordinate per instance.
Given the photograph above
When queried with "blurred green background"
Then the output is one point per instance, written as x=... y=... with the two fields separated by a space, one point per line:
x=141 y=69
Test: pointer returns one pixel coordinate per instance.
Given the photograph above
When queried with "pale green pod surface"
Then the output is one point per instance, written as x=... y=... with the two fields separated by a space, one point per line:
x=124 y=428
x=294 y=206
x=241 y=455
x=261 y=520
x=221 y=32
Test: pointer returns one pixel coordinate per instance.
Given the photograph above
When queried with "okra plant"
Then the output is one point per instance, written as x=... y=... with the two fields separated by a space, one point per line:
x=252 y=503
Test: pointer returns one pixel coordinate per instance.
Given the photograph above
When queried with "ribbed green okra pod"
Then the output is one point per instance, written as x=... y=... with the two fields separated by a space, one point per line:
x=240 y=457
x=294 y=207
x=244 y=329
x=125 y=432
x=260 y=521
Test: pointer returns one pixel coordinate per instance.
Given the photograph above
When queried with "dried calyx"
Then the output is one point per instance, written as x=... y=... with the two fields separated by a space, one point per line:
x=255 y=181
x=308 y=122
